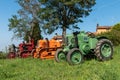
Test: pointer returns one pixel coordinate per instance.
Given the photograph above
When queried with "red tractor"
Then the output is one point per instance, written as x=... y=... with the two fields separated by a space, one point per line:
x=12 y=52
x=24 y=50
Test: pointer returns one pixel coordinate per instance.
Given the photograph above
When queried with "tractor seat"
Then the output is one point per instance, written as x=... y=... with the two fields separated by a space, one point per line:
x=90 y=34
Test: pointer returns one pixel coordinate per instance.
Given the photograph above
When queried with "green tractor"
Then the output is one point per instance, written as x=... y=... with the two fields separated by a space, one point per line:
x=80 y=44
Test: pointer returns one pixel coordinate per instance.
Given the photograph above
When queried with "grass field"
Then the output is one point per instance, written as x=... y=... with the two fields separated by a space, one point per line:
x=36 y=69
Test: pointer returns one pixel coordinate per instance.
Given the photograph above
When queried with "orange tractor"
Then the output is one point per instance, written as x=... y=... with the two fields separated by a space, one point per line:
x=46 y=49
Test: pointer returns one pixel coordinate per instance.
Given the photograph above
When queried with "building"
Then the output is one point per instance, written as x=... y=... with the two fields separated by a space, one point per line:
x=102 y=29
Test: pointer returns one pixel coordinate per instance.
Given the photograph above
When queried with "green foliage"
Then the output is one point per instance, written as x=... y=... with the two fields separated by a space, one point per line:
x=36 y=32
x=113 y=35
x=36 y=69
x=116 y=27
x=18 y=26
x=3 y=55
x=23 y=24
x=64 y=14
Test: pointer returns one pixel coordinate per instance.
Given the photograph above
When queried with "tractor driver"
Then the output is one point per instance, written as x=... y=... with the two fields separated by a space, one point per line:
x=24 y=46
x=12 y=48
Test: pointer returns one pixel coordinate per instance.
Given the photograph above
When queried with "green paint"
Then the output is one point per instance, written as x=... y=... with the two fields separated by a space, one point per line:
x=61 y=56
x=106 y=50
x=76 y=57
x=92 y=42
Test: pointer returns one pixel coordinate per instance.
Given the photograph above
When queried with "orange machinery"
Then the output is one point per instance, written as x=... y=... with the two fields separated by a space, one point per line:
x=46 y=49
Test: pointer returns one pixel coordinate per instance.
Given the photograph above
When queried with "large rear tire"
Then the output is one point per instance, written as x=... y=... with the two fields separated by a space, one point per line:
x=74 y=56
x=104 y=50
x=60 y=56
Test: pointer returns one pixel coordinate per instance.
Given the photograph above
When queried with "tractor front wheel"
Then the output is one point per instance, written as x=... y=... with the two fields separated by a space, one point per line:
x=60 y=55
x=11 y=55
x=104 y=50
x=74 y=56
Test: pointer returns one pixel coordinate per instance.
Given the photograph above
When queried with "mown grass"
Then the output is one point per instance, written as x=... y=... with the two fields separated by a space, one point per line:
x=36 y=69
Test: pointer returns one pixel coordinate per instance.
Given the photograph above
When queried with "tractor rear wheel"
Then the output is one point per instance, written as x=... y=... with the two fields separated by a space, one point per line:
x=104 y=50
x=60 y=55
x=74 y=56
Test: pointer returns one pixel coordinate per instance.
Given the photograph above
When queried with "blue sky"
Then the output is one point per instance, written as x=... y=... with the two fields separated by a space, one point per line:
x=7 y=9
x=105 y=12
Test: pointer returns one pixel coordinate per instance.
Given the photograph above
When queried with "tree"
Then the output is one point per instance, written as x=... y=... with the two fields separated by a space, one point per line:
x=113 y=34
x=62 y=14
x=18 y=26
x=26 y=23
x=36 y=31
x=116 y=27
